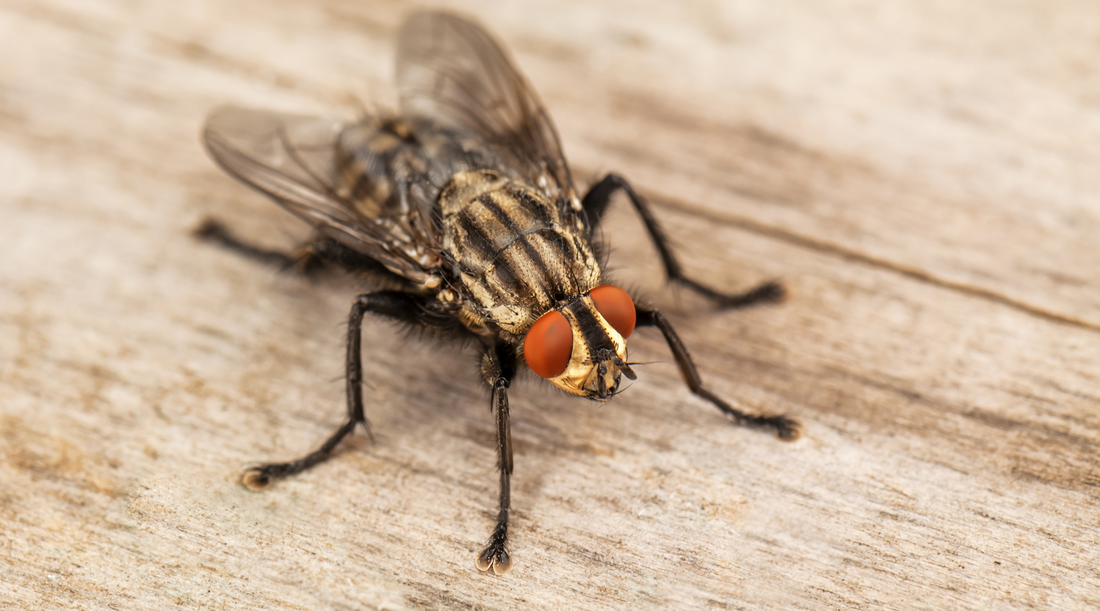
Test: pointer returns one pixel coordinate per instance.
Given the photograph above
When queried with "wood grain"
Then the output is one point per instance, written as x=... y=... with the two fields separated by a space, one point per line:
x=922 y=175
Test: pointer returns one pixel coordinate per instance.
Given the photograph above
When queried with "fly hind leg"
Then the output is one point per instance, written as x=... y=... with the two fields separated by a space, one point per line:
x=595 y=204
x=306 y=260
x=392 y=304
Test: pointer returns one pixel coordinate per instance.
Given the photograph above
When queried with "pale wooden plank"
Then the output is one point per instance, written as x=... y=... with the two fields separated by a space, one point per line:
x=919 y=174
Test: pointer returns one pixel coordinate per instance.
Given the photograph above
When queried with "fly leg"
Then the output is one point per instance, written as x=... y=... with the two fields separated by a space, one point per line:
x=393 y=304
x=308 y=259
x=214 y=231
x=595 y=204
x=786 y=428
x=498 y=369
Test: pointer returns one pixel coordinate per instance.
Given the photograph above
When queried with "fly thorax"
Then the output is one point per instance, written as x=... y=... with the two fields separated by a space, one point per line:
x=512 y=253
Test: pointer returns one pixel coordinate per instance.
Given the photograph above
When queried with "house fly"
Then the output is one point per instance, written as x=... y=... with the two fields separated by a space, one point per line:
x=462 y=211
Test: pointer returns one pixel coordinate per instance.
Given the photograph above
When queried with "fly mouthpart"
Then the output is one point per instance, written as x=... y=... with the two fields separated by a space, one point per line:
x=625 y=368
x=603 y=381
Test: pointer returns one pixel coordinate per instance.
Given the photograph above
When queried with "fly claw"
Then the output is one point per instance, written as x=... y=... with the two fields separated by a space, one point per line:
x=462 y=208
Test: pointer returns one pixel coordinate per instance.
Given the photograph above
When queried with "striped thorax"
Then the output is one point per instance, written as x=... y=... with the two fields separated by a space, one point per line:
x=511 y=252
x=521 y=265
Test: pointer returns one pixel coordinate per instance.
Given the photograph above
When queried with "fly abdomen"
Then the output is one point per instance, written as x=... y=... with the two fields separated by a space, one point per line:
x=513 y=254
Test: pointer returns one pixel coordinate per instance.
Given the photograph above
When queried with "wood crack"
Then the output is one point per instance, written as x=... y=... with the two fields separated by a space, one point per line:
x=840 y=252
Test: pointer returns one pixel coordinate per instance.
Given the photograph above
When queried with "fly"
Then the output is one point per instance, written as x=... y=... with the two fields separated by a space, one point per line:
x=461 y=210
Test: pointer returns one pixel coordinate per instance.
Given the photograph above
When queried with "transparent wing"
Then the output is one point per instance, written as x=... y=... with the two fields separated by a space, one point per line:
x=292 y=159
x=452 y=73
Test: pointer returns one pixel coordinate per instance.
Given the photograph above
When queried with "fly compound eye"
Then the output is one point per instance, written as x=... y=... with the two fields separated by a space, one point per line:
x=616 y=307
x=548 y=345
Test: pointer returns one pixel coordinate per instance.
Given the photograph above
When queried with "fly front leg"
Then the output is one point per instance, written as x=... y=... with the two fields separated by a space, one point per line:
x=498 y=369
x=595 y=204
x=393 y=304
x=787 y=429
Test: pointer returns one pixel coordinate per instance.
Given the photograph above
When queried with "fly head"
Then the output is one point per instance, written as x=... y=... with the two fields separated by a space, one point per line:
x=581 y=345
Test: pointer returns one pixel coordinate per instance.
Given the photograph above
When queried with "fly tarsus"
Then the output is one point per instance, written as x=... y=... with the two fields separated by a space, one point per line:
x=785 y=427
x=494 y=557
x=260 y=477
x=768 y=292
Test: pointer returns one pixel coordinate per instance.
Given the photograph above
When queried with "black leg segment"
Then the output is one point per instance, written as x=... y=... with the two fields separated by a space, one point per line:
x=787 y=429
x=214 y=231
x=307 y=260
x=393 y=304
x=498 y=369
x=595 y=204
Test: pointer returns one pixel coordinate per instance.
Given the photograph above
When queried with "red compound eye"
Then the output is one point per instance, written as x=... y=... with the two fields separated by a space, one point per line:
x=616 y=307
x=548 y=345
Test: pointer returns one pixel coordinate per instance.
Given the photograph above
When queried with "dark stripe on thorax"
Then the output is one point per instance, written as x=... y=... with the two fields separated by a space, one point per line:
x=475 y=237
x=508 y=222
x=539 y=210
x=485 y=255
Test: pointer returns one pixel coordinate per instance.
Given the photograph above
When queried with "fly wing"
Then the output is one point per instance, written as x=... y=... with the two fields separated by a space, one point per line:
x=293 y=160
x=451 y=73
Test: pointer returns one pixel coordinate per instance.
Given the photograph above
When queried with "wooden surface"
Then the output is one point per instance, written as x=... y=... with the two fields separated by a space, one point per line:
x=924 y=176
